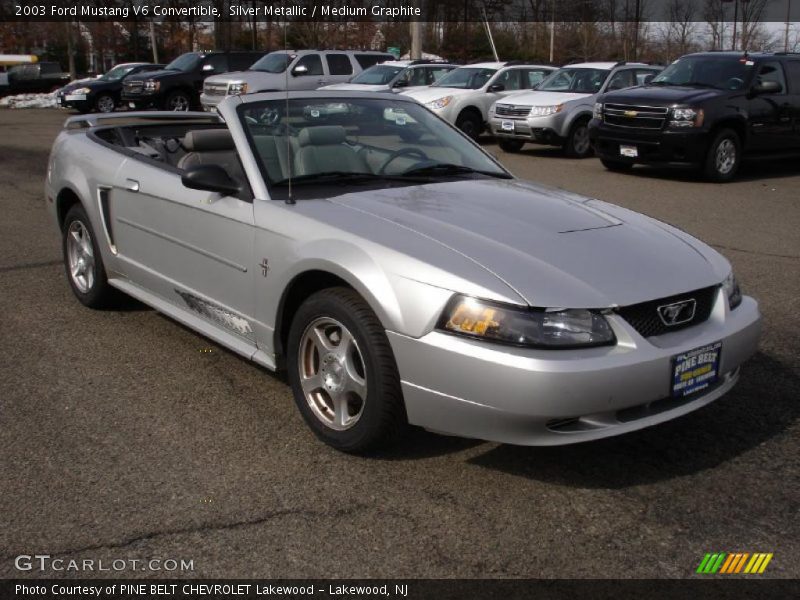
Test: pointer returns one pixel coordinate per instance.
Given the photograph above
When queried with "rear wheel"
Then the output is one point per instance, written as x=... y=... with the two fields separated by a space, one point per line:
x=105 y=103
x=577 y=144
x=616 y=165
x=343 y=374
x=724 y=157
x=511 y=145
x=83 y=262
x=470 y=123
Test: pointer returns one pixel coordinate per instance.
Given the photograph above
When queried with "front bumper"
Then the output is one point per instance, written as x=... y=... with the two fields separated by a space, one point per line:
x=531 y=397
x=71 y=101
x=677 y=147
x=538 y=130
x=140 y=101
x=210 y=102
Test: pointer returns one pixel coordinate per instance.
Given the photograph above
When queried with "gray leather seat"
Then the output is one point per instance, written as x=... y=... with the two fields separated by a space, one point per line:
x=212 y=147
x=323 y=149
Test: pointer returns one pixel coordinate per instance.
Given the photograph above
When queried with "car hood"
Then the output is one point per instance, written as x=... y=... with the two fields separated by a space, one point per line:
x=554 y=248
x=657 y=95
x=154 y=75
x=355 y=87
x=251 y=78
x=534 y=98
x=431 y=93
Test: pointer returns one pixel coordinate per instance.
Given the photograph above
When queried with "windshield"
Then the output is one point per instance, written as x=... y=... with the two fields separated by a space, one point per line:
x=575 y=81
x=185 y=62
x=118 y=73
x=358 y=139
x=377 y=75
x=467 y=78
x=722 y=72
x=274 y=62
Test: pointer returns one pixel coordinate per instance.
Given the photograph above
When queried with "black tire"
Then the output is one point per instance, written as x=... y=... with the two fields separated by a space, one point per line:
x=178 y=101
x=382 y=418
x=577 y=144
x=718 y=168
x=470 y=124
x=511 y=146
x=99 y=294
x=616 y=165
x=105 y=103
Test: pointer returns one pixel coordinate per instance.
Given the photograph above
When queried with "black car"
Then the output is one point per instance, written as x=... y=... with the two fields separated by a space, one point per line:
x=104 y=93
x=707 y=110
x=35 y=78
x=178 y=85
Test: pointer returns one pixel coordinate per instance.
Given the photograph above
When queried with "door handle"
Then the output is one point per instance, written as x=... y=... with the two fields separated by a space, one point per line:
x=132 y=185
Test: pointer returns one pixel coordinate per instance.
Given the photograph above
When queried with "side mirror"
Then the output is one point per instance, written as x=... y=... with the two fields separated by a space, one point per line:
x=208 y=68
x=768 y=87
x=210 y=178
x=400 y=83
x=647 y=79
x=300 y=70
x=496 y=87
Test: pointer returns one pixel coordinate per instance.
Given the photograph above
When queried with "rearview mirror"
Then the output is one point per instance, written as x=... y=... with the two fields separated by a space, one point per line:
x=768 y=87
x=300 y=70
x=496 y=87
x=210 y=178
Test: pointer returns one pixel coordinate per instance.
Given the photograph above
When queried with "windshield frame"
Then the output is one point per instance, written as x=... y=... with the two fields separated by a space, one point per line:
x=277 y=189
x=398 y=70
x=554 y=74
x=439 y=84
x=184 y=58
x=125 y=69
x=288 y=60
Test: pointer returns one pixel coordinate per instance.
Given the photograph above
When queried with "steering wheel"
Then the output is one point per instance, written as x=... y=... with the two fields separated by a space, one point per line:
x=402 y=152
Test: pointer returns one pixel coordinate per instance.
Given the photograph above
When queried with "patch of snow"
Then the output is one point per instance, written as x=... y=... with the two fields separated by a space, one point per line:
x=30 y=101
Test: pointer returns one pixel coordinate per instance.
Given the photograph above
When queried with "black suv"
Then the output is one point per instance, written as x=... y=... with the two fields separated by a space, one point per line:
x=35 y=78
x=707 y=110
x=178 y=85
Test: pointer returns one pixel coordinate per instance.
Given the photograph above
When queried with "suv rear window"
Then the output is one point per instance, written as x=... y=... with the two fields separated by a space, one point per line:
x=339 y=64
x=368 y=60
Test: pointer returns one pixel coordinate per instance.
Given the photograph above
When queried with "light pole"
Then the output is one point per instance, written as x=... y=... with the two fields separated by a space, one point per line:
x=788 y=17
x=552 y=30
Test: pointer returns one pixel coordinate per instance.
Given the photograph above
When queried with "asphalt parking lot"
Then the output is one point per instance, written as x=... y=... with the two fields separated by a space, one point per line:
x=124 y=435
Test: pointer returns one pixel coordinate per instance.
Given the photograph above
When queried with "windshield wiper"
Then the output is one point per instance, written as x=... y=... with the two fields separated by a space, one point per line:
x=336 y=177
x=448 y=169
x=701 y=84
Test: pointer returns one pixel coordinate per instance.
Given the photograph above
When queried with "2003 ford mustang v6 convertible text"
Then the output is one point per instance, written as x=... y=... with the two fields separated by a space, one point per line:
x=397 y=271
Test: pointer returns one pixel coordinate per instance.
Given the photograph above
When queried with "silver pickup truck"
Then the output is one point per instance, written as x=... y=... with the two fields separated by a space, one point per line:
x=396 y=270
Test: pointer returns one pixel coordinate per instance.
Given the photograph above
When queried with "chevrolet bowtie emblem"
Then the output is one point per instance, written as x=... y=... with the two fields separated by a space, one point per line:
x=631 y=113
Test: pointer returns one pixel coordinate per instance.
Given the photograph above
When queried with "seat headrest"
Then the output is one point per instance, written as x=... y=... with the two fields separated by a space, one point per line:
x=208 y=140
x=324 y=135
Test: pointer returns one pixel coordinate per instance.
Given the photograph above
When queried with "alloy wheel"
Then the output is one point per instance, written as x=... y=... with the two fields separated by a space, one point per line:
x=725 y=156
x=105 y=104
x=80 y=256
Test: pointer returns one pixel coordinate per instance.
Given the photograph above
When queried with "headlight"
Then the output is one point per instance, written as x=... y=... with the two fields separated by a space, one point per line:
x=83 y=90
x=687 y=117
x=550 y=328
x=439 y=102
x=731 y=288
x=597 y=113
x=237 y=88
x=151 y=85
x=543 y=111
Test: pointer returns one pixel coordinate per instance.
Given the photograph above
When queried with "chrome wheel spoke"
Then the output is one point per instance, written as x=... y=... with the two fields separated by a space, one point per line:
x=356 y=384
x=341 y=410
x=320 y=339
x=311 y=383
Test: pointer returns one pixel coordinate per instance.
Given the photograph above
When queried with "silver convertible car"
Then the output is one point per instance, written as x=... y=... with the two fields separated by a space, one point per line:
x=396 y=270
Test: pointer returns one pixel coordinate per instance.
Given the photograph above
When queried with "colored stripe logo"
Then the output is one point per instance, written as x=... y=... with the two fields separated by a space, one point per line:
x=734 y=562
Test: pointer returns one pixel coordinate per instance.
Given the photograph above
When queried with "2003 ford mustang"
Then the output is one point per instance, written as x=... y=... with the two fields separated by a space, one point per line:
x=397 y=271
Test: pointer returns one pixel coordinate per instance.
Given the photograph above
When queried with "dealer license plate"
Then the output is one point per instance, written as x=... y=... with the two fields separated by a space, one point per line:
x=74 y=97
x=629 y=151
x=507 y=125
x=695 y=370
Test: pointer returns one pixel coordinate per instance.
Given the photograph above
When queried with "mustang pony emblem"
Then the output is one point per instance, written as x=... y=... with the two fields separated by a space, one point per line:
x=678 y=312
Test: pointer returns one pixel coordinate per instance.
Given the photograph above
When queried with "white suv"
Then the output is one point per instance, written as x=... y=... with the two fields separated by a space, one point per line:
x=463 y=96
x=558 y=112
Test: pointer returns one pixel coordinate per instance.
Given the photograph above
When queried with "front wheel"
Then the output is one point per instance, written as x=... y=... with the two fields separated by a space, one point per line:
x=511 y=145
x=343 y=374
x=577 y=144
x=84 y=265
x=470 y=124
x=178 y=101
x=105 y=103
x=724 y=157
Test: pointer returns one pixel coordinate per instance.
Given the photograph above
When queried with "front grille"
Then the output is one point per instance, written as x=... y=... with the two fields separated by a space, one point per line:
x=635 y=117
x=133 y=87
x=644 y=317
x=216 y=89
x=510 y=110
